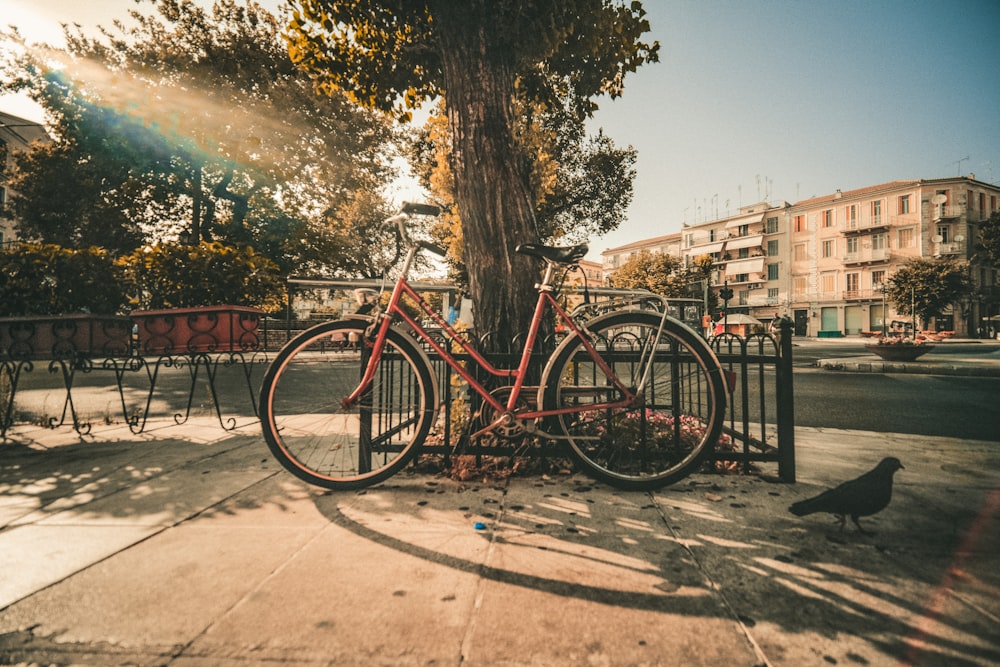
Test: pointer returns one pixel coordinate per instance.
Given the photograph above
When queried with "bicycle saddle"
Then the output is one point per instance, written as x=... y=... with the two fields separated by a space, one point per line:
x=560 y=255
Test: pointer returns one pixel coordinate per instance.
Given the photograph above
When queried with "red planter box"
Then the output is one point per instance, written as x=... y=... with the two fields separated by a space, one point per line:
x=71 y=336
x=194 y=330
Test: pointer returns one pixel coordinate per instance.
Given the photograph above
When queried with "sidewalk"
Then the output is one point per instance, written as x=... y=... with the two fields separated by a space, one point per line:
x=187 y=546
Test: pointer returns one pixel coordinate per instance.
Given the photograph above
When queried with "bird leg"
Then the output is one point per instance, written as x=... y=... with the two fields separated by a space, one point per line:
x=860 y=529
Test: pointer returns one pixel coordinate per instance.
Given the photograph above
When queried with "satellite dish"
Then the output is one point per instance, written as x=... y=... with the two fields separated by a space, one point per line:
x=938 y=199
x=959 y=238
x=937 y=238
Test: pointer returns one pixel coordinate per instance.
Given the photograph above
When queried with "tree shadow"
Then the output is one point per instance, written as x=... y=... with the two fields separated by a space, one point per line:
x=712 y=548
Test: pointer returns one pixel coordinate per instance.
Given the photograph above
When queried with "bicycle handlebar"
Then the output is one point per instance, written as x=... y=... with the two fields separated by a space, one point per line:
x=408 y=209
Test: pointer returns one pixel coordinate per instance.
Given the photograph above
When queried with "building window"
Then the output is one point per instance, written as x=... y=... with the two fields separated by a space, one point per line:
x=993 y=203
x=772 y=293
x=942 y=231
x=941 y=207
x=906 y=238
x=852 y=216
x=743 y=253
x=742 y=278
x=982 y=201
x=711 y=235
x=772 y=271
x=771 y=226
x=800 y=223
x=828 y=218
x=828 y=248
x=829 y=282
x=772 y=248
x=799 y=285
x=878 y=279
x=877 y=212
x=878 y=241
x=853 y=283
x=799 y=252
x=971 y=199
x=852 y=246
x=904 y=204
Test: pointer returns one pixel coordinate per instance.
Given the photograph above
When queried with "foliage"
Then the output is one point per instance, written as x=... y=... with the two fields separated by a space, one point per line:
x=51 y=280
x=928 y=287
x=493 y=61
x=989 y=237
x=581 y=186
x=660 y=273
x=193 y=122
x=208 y=274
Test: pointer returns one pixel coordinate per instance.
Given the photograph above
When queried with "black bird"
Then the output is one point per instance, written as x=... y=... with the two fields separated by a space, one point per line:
x=859 y=497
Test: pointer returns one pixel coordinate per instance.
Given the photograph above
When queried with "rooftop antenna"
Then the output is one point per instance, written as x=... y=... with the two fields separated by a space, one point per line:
x=959 y=163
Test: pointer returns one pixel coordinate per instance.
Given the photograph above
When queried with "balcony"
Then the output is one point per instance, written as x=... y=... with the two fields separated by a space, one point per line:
x=864 y=224
x=861 y=295
x=946 y=212
x=953 y=248
x=867 y=256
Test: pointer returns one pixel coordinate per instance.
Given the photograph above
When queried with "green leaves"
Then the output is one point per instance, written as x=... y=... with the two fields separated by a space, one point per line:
x=208 y=274
x=928 y=286
x=50 y=280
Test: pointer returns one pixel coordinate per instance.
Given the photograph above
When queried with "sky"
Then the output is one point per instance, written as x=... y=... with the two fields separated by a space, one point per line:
x=754 y=100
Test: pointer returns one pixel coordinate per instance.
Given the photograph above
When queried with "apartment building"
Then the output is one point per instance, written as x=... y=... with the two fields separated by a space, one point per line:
x=16 y=134
x=613 y=258
x=846 y=245
x=746 y=251
x=823 y=261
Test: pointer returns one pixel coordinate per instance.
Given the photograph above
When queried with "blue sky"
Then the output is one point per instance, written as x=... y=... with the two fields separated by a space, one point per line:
x=795 y=99
x=776 y=99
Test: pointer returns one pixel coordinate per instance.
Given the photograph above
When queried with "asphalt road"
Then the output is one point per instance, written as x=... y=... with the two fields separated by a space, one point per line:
x=935 y=405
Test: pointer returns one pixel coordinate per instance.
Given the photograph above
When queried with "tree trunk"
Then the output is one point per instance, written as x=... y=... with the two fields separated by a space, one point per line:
x=491 y=185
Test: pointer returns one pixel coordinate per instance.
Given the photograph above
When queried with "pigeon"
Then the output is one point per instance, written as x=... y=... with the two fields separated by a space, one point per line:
x=859 y=497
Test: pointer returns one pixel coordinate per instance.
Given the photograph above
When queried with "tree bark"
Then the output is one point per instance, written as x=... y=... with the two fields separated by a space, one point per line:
x=491 y=184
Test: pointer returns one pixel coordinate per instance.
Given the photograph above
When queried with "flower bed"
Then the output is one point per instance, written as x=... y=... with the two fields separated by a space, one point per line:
x=899 y=348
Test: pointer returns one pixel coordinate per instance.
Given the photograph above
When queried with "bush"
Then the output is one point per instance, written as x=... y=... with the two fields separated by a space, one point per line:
x=44 y=279
x=208 y=274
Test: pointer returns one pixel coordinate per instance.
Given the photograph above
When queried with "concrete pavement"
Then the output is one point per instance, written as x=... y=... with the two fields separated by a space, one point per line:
x=189 y=546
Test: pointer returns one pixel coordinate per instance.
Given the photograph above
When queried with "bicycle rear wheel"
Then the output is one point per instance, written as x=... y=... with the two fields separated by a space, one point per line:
x=666 y=434
x=317 y=439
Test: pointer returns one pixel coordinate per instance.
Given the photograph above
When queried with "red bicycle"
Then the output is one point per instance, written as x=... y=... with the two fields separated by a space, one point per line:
x=638 y=396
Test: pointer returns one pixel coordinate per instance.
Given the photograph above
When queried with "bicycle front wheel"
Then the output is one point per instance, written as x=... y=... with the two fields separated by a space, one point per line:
x=315 y=437
x=668 y=431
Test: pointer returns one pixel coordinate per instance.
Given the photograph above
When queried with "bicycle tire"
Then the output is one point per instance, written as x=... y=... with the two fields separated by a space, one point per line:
x=670 y=432
x=321 y=442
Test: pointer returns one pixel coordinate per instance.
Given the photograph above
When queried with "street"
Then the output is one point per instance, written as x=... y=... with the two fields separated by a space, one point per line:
x=934 y=405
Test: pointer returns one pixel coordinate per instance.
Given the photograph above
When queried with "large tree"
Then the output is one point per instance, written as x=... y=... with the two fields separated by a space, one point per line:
x=478 y=54
x=928 y=287
x=196 y=122
x=581 y=186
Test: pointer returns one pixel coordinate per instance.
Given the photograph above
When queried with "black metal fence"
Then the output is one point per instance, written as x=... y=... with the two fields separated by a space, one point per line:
x=759 y=424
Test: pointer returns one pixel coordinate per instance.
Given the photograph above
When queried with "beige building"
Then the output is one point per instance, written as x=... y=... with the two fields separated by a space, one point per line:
x=822 y=261
x=844 y=247
x=746 y=250
x=16 y=134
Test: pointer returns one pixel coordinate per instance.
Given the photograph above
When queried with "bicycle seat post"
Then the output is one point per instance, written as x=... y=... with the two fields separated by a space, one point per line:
x=546 y=284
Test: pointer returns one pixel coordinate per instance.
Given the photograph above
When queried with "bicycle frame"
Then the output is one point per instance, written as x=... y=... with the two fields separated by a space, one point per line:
x=545 y=299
